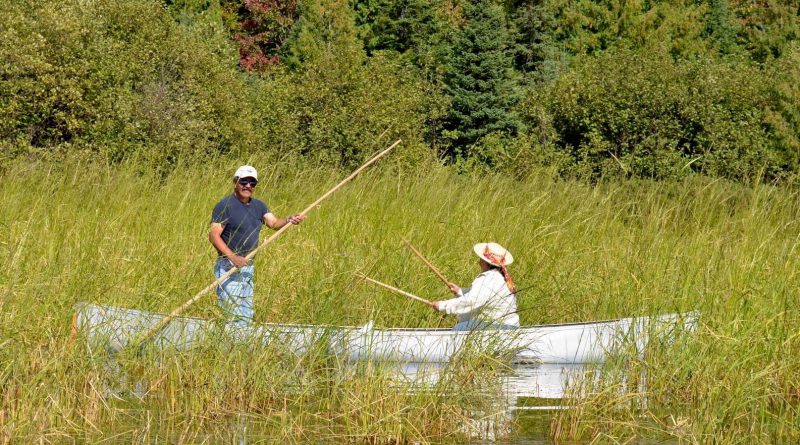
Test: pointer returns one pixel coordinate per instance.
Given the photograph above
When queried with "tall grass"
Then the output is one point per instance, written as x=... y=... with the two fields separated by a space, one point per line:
x=80 y=231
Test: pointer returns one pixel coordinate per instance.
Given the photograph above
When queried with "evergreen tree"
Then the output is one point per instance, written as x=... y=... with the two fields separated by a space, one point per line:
x=397 y=25
x=480 y=79
x=325 y=36
x=531 y=23
x=720 y=26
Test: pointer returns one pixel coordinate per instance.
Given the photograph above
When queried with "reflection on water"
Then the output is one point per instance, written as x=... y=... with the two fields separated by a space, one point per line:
x=544 y=381
x=539 y=388
x=521 y=388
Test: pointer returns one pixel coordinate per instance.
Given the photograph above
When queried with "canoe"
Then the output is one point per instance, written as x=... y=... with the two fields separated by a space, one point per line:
x=114 y=328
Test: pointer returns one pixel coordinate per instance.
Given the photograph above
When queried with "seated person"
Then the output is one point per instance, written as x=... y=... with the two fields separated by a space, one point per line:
x=491 y=301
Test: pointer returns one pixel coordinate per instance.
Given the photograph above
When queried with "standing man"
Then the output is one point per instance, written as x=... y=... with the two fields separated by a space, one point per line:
x=235 y=226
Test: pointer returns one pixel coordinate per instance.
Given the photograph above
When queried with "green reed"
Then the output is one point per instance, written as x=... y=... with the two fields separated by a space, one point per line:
x=82 y=231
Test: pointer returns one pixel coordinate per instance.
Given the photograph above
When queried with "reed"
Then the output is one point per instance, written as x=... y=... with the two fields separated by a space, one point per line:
x=83 y=231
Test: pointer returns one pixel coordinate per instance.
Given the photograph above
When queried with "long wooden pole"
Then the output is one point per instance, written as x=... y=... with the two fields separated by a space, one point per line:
x=428 y=263
x=179 y=310
x=394 y=289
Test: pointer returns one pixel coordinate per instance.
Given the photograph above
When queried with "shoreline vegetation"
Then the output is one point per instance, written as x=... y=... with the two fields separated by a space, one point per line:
x=587 y=89
x=120 y=235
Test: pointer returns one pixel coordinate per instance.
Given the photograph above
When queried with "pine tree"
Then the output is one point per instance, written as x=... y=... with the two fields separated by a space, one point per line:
x=397 y=25
x=324 y=36
x=531 y=26
x=720 y=25
x=480 y=79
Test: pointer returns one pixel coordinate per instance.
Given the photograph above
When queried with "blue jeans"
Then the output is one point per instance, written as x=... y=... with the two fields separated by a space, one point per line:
x=235 y=293
x=477 y=325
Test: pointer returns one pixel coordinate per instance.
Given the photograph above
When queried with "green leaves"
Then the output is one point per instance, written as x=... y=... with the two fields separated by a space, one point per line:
x=641 y=113
x=120 y=78
x=479 y=78
x=612 y=88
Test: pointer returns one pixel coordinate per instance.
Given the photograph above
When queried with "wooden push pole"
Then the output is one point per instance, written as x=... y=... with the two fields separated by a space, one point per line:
x=396 y=290
x=180 y=309
x=73 y=332
x=428 y=263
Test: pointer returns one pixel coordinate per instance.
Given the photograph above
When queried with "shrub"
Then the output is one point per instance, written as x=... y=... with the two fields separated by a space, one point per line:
x=336 y=119
x=640 y=113
x=121 y=78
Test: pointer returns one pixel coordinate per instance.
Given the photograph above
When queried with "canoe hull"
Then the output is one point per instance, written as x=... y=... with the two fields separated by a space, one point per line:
x=115 y=328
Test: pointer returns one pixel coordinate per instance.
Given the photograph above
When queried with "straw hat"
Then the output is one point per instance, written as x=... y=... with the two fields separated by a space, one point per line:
x=493 y=253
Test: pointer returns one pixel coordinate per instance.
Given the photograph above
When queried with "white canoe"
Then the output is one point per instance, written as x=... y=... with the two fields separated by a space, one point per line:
x=115 y=328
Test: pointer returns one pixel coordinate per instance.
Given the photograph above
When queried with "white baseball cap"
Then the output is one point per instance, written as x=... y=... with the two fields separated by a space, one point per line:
x=493 y=253
x=246 y=171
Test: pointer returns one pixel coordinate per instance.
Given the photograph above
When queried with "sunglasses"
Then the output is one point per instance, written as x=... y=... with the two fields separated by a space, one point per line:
x=251 y=182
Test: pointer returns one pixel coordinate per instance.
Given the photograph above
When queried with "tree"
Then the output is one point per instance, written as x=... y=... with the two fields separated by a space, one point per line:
x=397 y=25
x=480 y=79
x=531 y=25
x=260 y=28
x=720 y=26
x=325 y=37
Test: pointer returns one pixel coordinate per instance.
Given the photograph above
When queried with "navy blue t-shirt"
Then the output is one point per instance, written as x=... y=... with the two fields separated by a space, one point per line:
x=242 y=222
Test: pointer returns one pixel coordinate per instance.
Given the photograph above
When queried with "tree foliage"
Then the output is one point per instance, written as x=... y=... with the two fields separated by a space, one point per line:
x=325 y=36
x=118 y=78
x=640 y=113
x=479 y=78
x=610 y=88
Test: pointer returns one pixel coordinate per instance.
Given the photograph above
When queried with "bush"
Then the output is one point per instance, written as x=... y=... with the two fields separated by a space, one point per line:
x=121 y=78
x=640 y=113
x=336 y=119
x=332 y=102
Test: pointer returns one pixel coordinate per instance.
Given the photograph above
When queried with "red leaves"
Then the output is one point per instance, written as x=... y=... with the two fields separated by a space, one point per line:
x=263 y=26
x=259 y=6
x=251 y=53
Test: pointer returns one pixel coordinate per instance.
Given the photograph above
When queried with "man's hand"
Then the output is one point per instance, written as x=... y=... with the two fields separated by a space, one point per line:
x=239 y=261
x=275 y=223
x=453 y=288
x=296 y=218
x=435 y=305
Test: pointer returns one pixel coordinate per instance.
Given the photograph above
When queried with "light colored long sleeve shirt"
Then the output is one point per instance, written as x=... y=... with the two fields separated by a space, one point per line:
x=488 y=299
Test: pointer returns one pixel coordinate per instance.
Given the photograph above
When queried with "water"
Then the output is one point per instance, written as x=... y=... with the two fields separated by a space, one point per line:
x=543 y=381
x=529 y=392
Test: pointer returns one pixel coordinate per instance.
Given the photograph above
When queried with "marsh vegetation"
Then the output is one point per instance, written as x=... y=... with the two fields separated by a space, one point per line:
x=118 y=235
